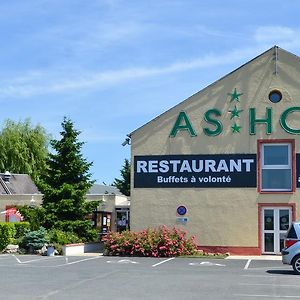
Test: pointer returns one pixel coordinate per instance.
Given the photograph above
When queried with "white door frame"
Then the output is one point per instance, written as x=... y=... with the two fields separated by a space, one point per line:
x=276 y=231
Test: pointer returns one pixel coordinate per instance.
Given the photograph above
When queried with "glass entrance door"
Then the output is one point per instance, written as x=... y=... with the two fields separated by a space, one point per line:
x=122 y=219
x=275 y=223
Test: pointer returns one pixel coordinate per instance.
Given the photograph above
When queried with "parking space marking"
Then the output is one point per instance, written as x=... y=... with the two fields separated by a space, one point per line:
x=34 y=260
x=206 y=263
x=17 y=259
x=66 y=261
x=122 y=261
x=77 y=261
x=247 y=264
x=162 y=262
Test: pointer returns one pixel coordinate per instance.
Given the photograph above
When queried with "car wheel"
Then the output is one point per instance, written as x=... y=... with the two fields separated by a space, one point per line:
x=296 y=264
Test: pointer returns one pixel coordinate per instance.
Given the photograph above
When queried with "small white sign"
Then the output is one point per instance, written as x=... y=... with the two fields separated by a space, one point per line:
x=182 y=220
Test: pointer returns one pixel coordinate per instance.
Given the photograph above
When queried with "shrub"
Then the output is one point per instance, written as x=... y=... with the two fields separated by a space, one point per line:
x=21 y=229
x=35 y=216
x=82 y=229
x=60 y=237
x=159 y=242
x=7 y=234
x=35 y=240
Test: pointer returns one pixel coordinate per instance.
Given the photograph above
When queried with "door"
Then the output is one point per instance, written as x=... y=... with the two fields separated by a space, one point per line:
x=275 y=223
x=102 y=221
x=105 y=222
x=122 y=219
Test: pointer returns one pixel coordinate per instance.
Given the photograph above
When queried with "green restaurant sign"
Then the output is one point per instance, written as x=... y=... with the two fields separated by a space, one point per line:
x=215 y=126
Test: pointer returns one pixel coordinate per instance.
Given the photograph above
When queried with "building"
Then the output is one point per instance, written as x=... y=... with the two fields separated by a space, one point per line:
x=224 y=164
x=113 y=213
x=16 y=189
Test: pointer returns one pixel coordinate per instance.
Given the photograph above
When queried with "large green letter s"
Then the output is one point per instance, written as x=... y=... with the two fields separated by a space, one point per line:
x=210 y=120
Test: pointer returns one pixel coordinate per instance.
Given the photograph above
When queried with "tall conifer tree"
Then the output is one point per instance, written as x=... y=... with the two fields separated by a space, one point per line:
x=67 y=181
x=123 y=184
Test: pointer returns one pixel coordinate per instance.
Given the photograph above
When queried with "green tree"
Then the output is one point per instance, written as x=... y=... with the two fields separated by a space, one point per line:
x=66 y=182
x=24 y=148
x=123 y=184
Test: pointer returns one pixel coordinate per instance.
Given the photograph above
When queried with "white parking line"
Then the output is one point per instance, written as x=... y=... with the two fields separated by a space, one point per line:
x=47 y=258
x=17 y=259
x=77 y=261
x=33 y=260
x=162 y=262
x=247 y=264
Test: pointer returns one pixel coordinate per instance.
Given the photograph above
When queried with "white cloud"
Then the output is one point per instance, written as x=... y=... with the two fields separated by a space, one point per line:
x=39 y=83
x=275 y=34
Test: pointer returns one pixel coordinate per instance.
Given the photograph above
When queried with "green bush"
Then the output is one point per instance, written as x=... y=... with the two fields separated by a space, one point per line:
x=35 y=216
x=35 y=240
x=7 y=234
x=60 y=237
x=83 y=229
x=159 y=242
x=21 y=229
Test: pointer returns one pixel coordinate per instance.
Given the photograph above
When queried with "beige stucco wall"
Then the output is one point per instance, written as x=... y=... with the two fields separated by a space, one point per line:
x=223 y=217
x=14 y=200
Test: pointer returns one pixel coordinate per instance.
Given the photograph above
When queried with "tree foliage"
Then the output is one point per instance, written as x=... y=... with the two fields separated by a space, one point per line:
x=123 y=184
x=24 y=148
x=67 y=180
x=35 y=216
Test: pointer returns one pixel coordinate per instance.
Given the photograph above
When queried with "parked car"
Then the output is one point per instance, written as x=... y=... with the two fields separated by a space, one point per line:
x=291 y=251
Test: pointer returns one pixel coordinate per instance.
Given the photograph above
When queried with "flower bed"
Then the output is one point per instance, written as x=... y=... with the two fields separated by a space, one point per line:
x=159 y=242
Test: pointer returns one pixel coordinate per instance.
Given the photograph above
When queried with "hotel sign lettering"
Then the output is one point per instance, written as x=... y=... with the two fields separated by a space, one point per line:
x=219 y=171
x=215 y=125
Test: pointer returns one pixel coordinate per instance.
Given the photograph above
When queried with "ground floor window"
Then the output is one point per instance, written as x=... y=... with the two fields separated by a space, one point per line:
x=123 y=219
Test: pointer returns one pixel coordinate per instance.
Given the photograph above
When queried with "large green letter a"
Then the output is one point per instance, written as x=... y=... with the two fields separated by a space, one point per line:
x=182 y=123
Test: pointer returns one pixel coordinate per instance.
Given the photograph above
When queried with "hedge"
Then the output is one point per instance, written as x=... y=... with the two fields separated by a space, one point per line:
x=11 y=231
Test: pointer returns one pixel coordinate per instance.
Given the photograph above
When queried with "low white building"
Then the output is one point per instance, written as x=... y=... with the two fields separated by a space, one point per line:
x=113 y=213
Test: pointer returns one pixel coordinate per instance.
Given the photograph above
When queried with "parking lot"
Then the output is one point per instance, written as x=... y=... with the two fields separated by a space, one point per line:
x=102 y=277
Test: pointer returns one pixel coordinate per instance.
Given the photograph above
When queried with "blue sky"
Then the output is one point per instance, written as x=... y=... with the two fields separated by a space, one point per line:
x=113 y=65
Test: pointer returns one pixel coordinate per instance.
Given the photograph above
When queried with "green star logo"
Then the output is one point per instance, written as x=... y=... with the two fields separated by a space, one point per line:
x=235 y=112
x=236 y=128
x=235 y=95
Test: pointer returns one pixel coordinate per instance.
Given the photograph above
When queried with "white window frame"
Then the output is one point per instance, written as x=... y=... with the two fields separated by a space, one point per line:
x=289 y=166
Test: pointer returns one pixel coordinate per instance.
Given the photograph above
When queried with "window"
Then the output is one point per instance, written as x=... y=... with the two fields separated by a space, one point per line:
x=276 y=166
x=275 y=96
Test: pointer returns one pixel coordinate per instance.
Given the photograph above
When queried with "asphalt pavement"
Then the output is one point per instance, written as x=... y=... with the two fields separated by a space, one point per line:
x=102 y=277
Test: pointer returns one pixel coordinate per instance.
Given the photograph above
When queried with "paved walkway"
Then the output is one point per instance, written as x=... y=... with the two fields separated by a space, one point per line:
x=254 y=257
